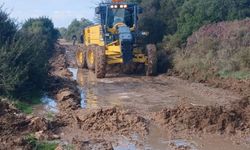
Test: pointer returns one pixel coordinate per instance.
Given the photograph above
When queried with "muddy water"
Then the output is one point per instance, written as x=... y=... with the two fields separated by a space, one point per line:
x=48 y=108
x=145 y=94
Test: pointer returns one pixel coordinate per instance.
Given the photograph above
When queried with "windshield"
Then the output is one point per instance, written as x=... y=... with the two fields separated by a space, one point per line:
x=120 y=15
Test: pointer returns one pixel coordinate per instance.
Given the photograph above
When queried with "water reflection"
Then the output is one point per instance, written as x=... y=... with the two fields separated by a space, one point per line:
x=49 y=104
x=74 y=72
x=85 y=80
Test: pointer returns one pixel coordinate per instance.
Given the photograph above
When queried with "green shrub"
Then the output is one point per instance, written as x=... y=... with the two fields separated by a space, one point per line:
x=24 y=56
x=23 y=107
x=40 y=145
x=8 y=28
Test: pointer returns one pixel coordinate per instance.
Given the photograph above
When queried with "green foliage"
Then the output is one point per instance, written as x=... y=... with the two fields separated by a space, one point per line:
x=195 y=13
x=171 y=22
x=8 y=28
x=24 y=55
x=178 y=19
x=62 y=32
x=24 y=107
x=75 y=28
x=27 y=106
x=40 y=145
x=46 y=146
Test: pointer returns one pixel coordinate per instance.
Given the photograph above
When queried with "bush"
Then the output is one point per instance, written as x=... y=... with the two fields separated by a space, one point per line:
x=24 y=57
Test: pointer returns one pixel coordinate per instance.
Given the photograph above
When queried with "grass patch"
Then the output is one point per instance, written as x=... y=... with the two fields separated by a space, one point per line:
x=40 y=145
x=24 y=107
x=237 y=75
x=46 y=146
x=35 y=98
x=27 y=106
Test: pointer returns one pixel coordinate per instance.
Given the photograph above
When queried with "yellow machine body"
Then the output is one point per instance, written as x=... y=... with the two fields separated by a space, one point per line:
x=93 y=36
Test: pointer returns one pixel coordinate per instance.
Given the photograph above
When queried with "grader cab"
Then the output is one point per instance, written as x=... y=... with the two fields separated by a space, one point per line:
x=115 y=40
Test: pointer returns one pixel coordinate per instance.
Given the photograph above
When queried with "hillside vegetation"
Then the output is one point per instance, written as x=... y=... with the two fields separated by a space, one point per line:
x=24 y=55
x=221 y=49
x=171 y=22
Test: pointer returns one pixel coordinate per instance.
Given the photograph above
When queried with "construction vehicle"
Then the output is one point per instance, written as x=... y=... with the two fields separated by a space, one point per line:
x=115 y=40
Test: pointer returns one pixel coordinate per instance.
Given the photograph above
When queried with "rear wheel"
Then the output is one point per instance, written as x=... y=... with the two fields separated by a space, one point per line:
x=100 y=62
x=81 y=58
x=151 y=67
x=91 y=57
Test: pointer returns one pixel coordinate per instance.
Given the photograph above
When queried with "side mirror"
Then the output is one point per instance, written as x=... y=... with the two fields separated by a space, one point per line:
x=97 y=10
x=140 y=10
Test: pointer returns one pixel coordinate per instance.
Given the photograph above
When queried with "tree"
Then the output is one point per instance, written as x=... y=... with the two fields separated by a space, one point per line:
x=196 y=13
x=75 y=28
x=24 y=59
x=8 y=28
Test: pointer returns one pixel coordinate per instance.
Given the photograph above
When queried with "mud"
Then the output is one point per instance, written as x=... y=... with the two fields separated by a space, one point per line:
x=229 y=119
x=239 y=86
x=144 y=97
x=111 y=121
x=60 y=86
x=15 y=128
x=136 y=112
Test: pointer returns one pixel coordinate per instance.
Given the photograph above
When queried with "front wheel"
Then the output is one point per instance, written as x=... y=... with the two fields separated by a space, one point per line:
x=100 y=62
x=151 y=66
x=91 y=57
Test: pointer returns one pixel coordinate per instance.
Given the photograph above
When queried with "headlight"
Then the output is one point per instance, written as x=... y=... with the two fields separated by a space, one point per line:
x=112 y=6
x=115 y=6
x=122 y=6
x=125 y=6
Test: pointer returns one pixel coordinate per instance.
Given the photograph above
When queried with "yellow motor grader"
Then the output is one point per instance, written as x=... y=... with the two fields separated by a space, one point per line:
x=115 y=40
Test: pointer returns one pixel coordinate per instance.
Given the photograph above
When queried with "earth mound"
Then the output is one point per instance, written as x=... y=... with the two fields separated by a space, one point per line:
x=112 y=120
x=230 y=119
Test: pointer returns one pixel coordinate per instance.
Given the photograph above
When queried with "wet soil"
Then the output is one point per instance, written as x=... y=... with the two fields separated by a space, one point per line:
x=129 y=112
x=228 y=119
x=149 y=98
x=15 y=128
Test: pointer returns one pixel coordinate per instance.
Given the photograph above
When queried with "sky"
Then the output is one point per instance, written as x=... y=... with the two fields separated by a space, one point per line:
x=62 y=12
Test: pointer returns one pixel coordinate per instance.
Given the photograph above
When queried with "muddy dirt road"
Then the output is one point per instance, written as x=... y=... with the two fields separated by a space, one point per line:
x=134 y=112
x=149 y=94
x=145 y=96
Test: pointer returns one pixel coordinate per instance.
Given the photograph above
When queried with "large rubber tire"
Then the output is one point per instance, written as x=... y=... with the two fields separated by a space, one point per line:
x=100 y=62
x=81 y=57
x=91 y=57
x=151 y=67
